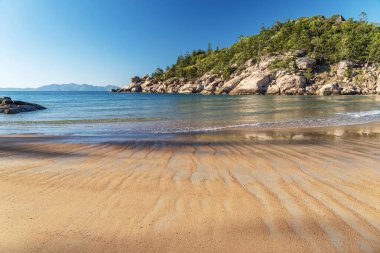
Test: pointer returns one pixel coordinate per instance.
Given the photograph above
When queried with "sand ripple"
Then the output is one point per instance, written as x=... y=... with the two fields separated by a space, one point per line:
x=308 y=196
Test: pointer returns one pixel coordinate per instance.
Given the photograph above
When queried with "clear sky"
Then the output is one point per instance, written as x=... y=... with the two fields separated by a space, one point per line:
x=107 y=41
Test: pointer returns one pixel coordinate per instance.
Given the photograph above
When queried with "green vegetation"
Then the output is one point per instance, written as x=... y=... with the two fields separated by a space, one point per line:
x=328 y=40
x=281 y=64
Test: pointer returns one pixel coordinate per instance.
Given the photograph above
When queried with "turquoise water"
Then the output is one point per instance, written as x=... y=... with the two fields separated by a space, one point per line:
x=103 y=113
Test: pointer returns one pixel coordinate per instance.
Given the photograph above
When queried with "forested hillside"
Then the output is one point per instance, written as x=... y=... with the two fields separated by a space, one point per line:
x=328 y=40
x=307 y=56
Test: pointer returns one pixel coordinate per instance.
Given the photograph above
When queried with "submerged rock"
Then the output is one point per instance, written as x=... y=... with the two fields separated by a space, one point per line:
x=9 y=106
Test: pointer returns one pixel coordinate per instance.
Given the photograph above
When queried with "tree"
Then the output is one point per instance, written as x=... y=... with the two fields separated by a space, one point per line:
x=158 y=74
x=159 y=71
x=277 y=24
x=262 y=28
x=374 y=49
x=327 y=39
x=209 y=48
x=363 y=17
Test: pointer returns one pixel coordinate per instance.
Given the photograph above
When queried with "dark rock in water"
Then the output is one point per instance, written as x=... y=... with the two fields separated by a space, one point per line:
x=9 y=106
x=5 y=100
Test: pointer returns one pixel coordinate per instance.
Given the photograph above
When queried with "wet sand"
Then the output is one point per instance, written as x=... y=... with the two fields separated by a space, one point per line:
x=271 y=191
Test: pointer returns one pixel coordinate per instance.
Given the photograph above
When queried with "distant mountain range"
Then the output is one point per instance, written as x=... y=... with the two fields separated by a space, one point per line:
x=65 y=87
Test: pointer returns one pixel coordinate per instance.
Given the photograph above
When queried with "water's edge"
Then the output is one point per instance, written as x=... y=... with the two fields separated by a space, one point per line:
x=106 y=114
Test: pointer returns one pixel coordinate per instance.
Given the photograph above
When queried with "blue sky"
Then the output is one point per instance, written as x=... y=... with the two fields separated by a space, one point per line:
x=107 y=41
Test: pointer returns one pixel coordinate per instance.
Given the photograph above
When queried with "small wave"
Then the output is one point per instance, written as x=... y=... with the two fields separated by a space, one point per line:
x=201 y=129
x=303 y=123
x=156 y=125
x=81 y=121
x=361 y=114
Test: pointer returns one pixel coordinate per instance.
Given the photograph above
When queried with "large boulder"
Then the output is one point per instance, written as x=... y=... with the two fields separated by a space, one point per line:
x=133 y=87
x=231 y=84
x=5 y=101
x=211 y=87
x=340 y=18
x=300 y=53
x=135 y=79
x=266 y=62
x=348 y=89
x=305 y=63
x=145 y=86
x=310 y=90
x=377 y=88
x=136 y=88
x=343 y=66
x=4 y=98
x=288 y=84
x=160 y=88
x=256 y=83
x=191 y=88
x=329 y=89
x=273 y=89
x=9 y=106
x=207 y=79
x=248 y=63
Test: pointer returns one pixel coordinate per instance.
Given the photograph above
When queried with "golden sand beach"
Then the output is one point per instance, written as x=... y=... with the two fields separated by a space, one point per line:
x=279 y=191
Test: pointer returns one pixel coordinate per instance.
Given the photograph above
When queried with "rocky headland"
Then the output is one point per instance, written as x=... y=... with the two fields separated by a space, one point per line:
x=9 y=106
x=344 y=78
x=307 y=56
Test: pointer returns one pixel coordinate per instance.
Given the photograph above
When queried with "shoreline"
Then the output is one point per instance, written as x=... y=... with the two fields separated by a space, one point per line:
x=122 y=91
x=234 y=133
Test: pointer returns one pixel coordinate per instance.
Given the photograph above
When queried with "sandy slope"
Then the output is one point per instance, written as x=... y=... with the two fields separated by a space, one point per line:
x=271 y=196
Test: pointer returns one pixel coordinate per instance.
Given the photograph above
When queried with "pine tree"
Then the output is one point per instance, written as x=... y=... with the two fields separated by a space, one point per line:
x=209 y=48
x=363 y=17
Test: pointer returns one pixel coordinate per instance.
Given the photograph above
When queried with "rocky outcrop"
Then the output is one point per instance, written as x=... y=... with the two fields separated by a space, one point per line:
x=306 y=63
x=231 y=84
x=9 y=106
x=256 y=83
x=349 y=89
x=329 y=89
x=343 y=67
x=210 y=84
x=300 y=53
x=292 y=73
x=288 y=84
x=191 y=88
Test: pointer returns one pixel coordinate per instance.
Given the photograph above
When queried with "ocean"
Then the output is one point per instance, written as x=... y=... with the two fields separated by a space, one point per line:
x=117 y=114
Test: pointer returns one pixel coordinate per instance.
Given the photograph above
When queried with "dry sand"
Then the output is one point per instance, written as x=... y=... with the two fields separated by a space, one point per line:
x=308 y=194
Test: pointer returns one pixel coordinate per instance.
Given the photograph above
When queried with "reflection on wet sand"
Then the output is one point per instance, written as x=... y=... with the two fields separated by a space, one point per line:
x=313 y=190
x=336 y=133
